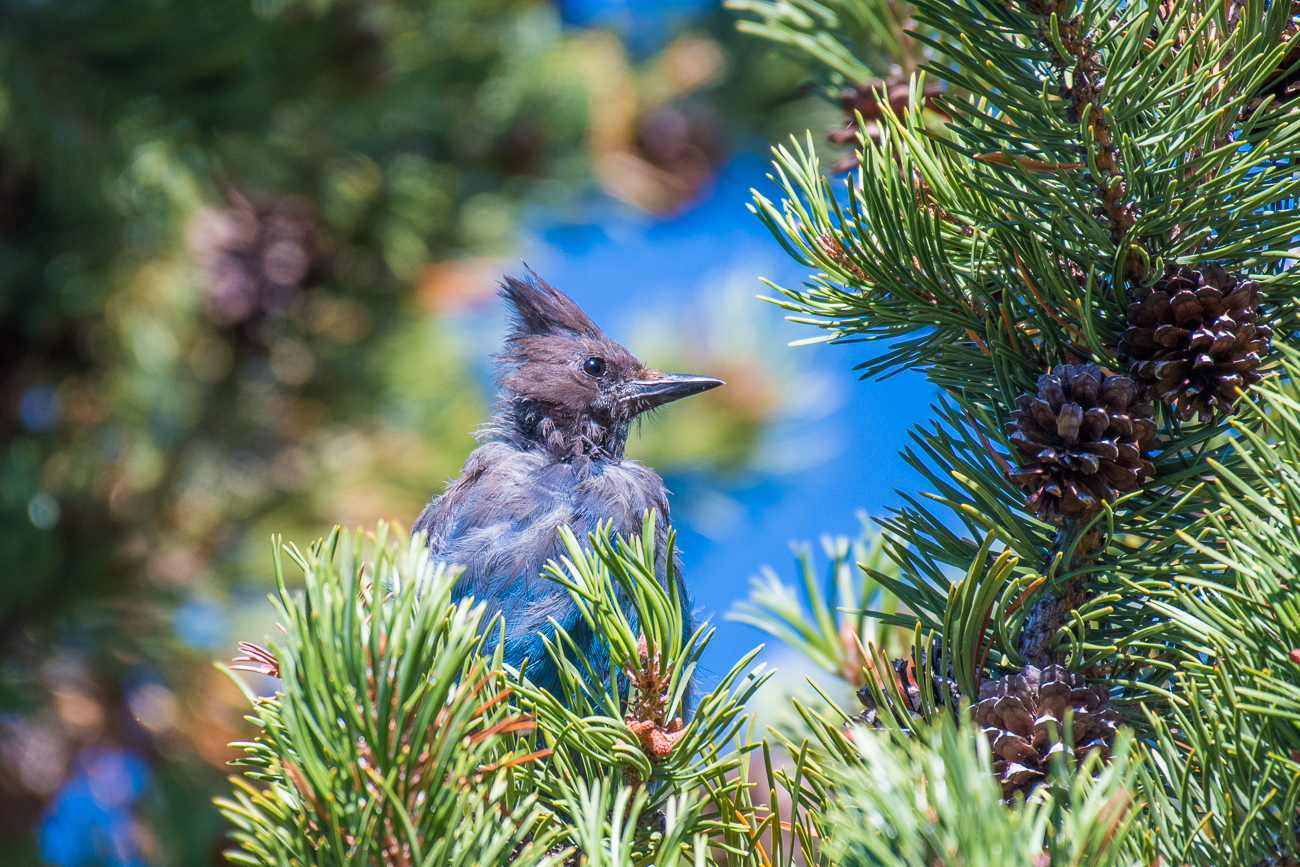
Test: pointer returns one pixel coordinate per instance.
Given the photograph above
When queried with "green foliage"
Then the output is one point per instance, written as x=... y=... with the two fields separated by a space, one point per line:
x=977 y=256
x=840 y=619
x=853 y=41
x=923 y=240
x=1090 y=146
x=917 y=802
x=632 y=724
x=389 y=739
x=394 y=736
x=606 y=824
x=1228 y=771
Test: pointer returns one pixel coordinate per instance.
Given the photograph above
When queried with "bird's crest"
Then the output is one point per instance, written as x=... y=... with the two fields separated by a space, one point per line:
x=539 y=308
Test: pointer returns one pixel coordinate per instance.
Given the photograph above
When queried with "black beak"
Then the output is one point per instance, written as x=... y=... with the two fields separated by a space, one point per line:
x=649 y=393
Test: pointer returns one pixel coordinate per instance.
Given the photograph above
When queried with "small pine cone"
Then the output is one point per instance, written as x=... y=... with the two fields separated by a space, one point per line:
x=1283 y=83
x=257 y=258
x=1080 y=442
x=1194 y=339
x=945 y=692
x=864 y=99
x=1023 y=716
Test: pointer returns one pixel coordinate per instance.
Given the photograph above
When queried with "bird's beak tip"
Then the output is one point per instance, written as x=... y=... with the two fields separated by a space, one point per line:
x=669 y=387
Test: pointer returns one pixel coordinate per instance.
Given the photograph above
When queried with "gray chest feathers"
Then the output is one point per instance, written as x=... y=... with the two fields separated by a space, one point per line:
x=500 y=521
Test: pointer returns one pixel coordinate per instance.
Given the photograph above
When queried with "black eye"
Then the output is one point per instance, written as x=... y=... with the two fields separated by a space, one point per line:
x=594 y=367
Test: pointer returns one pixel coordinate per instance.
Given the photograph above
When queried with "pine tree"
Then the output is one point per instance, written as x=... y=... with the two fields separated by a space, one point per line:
x=1084 y=243
x=397 y=738
x=1089 y=259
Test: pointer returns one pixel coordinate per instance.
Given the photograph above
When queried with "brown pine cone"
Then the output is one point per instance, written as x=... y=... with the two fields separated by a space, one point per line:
x=1081 y=442
x=1194 y=339
x=864 y=99
x=945 y=692
x=257 y=258
x=1023 y=716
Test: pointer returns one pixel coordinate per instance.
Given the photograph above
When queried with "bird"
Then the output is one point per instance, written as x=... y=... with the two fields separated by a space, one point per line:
x=550 y=455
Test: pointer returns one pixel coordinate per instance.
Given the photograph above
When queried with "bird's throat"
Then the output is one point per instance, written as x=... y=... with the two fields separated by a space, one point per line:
x=532 y=425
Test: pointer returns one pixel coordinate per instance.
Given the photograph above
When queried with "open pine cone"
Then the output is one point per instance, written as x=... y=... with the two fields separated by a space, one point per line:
x=1194 y=340
x=1023 y=716
x=1080 y=442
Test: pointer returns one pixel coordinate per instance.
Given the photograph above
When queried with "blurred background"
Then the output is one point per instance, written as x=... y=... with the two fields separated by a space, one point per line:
x=248 y=251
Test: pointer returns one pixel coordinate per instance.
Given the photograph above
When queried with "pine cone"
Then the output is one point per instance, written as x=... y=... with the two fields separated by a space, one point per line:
x=1080 y=442
x=946 y=694
x=864 y=99
x=258 y=258
x=1194 y=340
x=1023 y=716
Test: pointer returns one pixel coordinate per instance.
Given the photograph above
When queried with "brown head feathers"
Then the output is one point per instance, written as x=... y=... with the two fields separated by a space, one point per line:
x=564 y=386
x=537 y=308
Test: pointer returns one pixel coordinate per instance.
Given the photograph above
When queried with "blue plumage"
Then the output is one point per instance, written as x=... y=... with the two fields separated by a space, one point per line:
x=552 y=455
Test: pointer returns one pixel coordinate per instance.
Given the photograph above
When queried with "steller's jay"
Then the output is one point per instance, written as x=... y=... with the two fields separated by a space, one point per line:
x=551 y=454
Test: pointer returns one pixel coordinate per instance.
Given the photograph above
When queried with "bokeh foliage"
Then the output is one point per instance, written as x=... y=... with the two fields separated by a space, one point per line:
x=240 y=242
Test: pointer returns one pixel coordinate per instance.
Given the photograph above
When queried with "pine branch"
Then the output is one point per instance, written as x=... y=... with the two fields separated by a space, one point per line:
x=915 y=802
x=1111 y=171
x=632 y=726
x=391 y=740
x=842 y=610
x=1237 y=728
x=853 y=42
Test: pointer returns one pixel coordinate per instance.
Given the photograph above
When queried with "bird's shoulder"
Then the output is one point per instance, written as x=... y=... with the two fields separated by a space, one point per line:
x=624 y=479
x=497 y=479
x=503 y=488
x=501 y=462
x=502 y=470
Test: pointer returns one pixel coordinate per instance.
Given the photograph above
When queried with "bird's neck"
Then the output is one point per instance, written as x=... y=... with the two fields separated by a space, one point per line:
x=563 y=435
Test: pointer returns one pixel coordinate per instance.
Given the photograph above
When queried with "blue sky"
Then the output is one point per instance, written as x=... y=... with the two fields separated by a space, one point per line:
x=643 y=24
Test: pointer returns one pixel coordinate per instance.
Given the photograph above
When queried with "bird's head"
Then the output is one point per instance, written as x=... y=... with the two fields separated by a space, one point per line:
x=566 y=386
